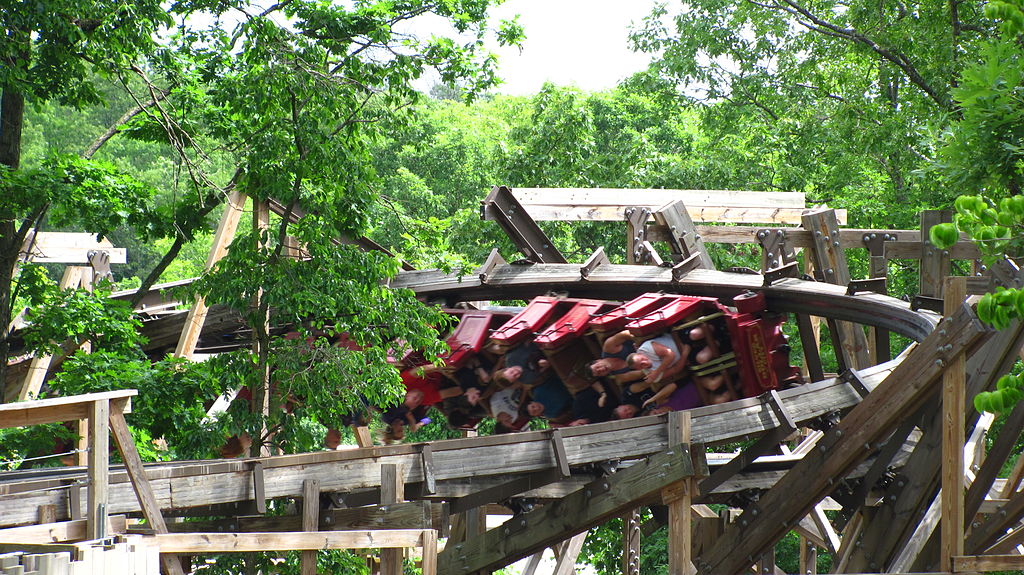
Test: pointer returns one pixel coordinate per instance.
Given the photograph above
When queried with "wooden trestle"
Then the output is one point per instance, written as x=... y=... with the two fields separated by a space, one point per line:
x=877 y=459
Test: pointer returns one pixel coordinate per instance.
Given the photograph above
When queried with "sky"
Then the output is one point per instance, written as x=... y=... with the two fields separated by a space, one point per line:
x=569 y=42
x=581 y=42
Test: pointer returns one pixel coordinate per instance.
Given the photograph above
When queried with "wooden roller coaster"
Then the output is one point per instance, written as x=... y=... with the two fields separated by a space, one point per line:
x=882 y=465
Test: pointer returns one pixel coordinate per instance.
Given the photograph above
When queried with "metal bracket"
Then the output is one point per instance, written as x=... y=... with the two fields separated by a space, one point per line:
x=920 y=302
x=259 y=488
x=776 y=252
x=790 y=270
x=558 y=447
x=875 y=243
x=1004 y=273
x=686 y=266
x=596 y=259
x=100 y=262
x=494 y=260
x=852 y=378
x=427 y=460
x=743 y=270
x=876 y=285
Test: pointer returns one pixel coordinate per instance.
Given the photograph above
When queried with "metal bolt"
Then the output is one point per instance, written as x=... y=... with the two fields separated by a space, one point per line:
x=835 y=244
x=780 y=233
x=940 y=363
x=817 y=233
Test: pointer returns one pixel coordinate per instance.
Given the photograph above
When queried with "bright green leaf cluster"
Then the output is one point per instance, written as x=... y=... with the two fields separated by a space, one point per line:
x=996 y=227
x=1009 y=390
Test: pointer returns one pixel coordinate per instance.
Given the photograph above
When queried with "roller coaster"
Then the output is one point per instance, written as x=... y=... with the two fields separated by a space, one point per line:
x=851 y=461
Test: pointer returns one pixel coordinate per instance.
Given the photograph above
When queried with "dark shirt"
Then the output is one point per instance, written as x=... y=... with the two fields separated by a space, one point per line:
x=553 y=395
x=584 y=406
x=527 y=357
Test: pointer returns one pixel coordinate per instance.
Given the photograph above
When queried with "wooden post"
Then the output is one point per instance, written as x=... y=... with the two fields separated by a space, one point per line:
x=566 y=564
x=680 y=522
x=221 y=240
x=99 y=472
x=363 y=436
x=310 y=518
x=392 y=489
x=935 y=263
x=429 y=554
x=953 y=409
x=631 y=543
x=140 y=483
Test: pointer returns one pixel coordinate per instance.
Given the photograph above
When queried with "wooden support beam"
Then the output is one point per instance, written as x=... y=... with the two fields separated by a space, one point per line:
x=566 y=564
x=140 y=483
x=845 y=445
x=503 y=207
x=655 y=198
x=631 y=542
x=583 y=509
x=935 y=263
x=67 y=248
x=392 y=487
x=987 y=563
x=221 y=240
x=99 y=470
x=808 y=557
x=830 y=259
x=636 y=234
x=310 y=519
x=722 y=214
x=680 y=520
x=197 y=543
x=683 y=236
x=429 y=552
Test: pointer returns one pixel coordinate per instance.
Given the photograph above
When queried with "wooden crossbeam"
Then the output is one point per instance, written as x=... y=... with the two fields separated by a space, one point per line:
x=658 y=197
x=197 y=543
x=598 y=501
x=68 y=248
x=723 y=214
x=502 y=206
x=844 y=446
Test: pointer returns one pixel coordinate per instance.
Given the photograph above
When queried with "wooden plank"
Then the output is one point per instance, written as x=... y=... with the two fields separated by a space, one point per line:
x=954 y=389
x=631 y=542
x=566 y=564
x=363 y=436
x=198 y=543
x=429 y=552
x=221 y=240
x=935 y=263
x=68 y=248
x=56 y=409
x=392 y=488
x=986 y=563
x=830 y=259
x=723 y=214
x=310 y=519
x=680 y=520
x=143 y=490
x=683 y=235
x=655 y=198
x=845 y=445
x=59 y=532
x=99 y=471
x=586 y=508
x=501 y=206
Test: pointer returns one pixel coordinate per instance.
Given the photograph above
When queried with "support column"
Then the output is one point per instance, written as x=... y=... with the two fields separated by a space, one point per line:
x=631 y=543
x=953 y=409
x=392 y=488
x=99 y=471
x=310 y=519
x=679 y=498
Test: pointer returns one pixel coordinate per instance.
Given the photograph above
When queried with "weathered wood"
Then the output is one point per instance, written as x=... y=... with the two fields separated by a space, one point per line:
x=631 y=542
x=636 y=219
x=830 y=259
x=197 y=543
x=392 y=488
x=683 y=236
x=57 y=409
x=429 y=552
x=723 y=214
x=99 y=471
x=934 y=262
x=68 y=248
x=566 y=564
x=588 y=507
x=680 y=520
x=502 y=206
x=655 y=198
x=986 y=563
x=310 y=519
x=59 y=532
x=221 y=240
x=143 y=490
x=845 y=445
x=808 y=557
x=954 y=389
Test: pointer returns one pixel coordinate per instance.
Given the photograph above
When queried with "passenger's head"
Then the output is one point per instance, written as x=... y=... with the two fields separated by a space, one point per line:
x=535 y=409
x=638 y=361
x=504 y=418
x=626 y=411
x=599 y=368
x=508 y=376
x=394 y=431
x=413 y=398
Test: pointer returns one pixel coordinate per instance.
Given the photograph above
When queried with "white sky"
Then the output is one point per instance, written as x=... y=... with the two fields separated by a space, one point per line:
x=569 y=42
x=581 y=42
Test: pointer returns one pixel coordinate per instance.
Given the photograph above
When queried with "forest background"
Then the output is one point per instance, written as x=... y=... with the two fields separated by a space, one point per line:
x=137 y=124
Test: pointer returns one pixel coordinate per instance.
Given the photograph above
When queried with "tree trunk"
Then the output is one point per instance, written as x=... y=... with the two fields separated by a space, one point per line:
x=12 y=119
